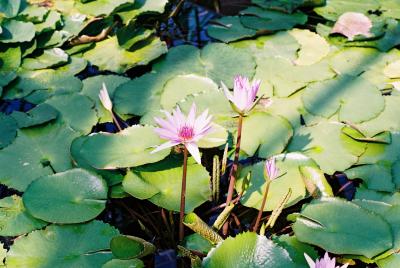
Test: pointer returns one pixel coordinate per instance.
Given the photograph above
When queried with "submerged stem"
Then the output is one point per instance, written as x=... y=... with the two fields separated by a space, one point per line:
x=183 y=196
x=255 y=228
x=232 y=173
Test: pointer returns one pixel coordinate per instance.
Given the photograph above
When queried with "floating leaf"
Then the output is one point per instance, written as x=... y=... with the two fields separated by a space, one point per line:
x=313 y=47
x=129 y=247
x=267 y=141
x=376 y=177
x=8 y=132
x=228 y=29
x=63 y=246
x=68 y=197
x=270 y=20
x=14 y=219
x=12 y=8
x=34 y=153
x=351 y=24
x=10 y=60
x=81 y=120
x=38 y=115
x=115 y=263
x=248 y=250
x=353 y=98
x=342 y=227
x=49 y=58
x=108 y=55
x=128 y=148
x=328 y=146
x=160 y=184
x=334 y=8
x=100 y=7
x=14 y=31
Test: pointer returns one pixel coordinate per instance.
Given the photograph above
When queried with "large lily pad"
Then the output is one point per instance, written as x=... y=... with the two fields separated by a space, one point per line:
x=10 y=60
x=248 y=250
x=81 y=120
x=128 y=148
x=56 y=198
x=14 y=219
x=8 y=127
x=353 y=98
x=34 y=153
x=160 y=183
x=289 y=177
x=328 y=146
x=108 y=55
x=228 y=29
x=49 y=58
x=14 y=31
x=334 y=8
x=341 y=227
x=63 y=246
x=268 y=140
x=100 y=7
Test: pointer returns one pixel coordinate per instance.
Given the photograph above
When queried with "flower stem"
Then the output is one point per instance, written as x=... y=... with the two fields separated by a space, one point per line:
x=255 y=228
x=183 y=196
x=116 y=121
x=233 y=171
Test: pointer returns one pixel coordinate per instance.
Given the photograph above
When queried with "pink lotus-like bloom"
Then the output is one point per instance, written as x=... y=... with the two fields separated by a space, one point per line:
x=244 y=95
x=271 y=170
x=325 y=262
x=179 y=129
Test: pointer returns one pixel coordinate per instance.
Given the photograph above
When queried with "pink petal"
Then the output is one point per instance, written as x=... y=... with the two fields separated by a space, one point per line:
x=194 y=151
x=166 y=125
x=227 y=93
x=310 y=261
x=163 y=146
x=166 y=134
x=190 y=121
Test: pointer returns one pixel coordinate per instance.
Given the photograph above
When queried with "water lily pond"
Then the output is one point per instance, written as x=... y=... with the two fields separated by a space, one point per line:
x=156 y=133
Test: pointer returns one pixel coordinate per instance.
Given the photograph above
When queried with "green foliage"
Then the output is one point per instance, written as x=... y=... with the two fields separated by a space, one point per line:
x=57 y=199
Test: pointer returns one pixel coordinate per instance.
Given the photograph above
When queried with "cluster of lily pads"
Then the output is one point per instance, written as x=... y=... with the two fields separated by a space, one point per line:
x=328 y=103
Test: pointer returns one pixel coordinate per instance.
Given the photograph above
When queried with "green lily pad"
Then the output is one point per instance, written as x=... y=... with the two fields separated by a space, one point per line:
x=128 y=148
x=267 y=141
x=160 y=183
x=375 y=177
x=38 y=115
x=228 y=29
x=179 y=87
x=8 y=127
x=287 y=78
x=130 y=247
x=391 y=37
x=220 y=63
x=270 y=20
x=391 y=261
x=63 y=246
x=130 y=13
x=34 y=153
x=81 y=120
x=56 y=198
x=248 y=250
x=341 y=227
x=100 y=7
x=334 y=8
x=92 y=87
x=313 y=47
x=12 y=8
x=289 y=177
x=49 y=58
x=14 y=219
x=108 y=55
x=353 y=98
x=10 y=60
x=328 y=146
x=14 y=31
x=52 y=21
x=295 y=248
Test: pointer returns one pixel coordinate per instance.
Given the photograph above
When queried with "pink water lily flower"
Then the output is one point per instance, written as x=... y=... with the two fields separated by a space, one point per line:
x=325 y=262
x=179 y=129
x=244 y=95
x=271 y=170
